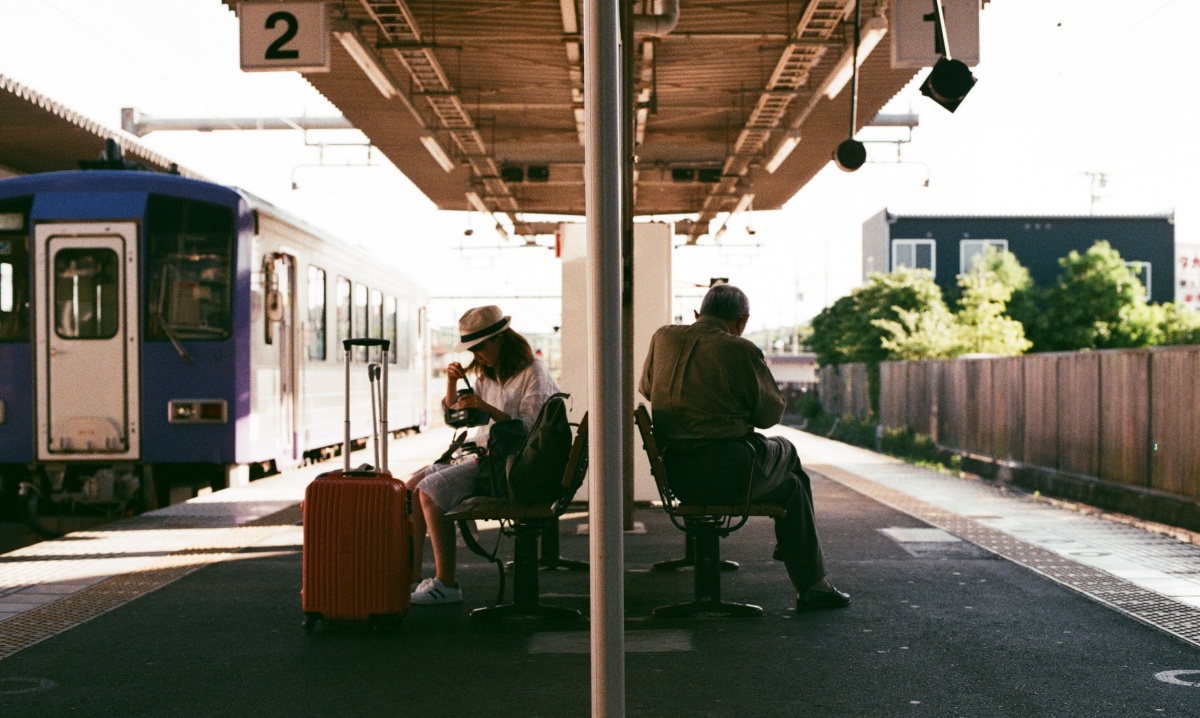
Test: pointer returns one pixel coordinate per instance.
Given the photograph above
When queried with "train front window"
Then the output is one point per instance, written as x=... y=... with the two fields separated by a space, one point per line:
x=14 y=270
x=188 y=270
x=85 y=293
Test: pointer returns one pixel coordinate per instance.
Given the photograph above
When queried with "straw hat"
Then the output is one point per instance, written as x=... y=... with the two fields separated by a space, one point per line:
x=480 y=324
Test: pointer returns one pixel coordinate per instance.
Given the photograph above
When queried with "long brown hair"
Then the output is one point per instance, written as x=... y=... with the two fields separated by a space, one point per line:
x=515 y=354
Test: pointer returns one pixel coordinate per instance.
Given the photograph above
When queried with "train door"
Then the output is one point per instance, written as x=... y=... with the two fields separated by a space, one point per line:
x=86 y=334
x=283 y=323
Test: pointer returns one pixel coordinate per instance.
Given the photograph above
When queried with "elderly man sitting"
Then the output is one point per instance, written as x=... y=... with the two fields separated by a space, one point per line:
x=705 y=382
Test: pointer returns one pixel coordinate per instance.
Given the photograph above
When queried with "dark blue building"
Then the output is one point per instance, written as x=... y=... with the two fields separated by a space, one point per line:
x=949 y=246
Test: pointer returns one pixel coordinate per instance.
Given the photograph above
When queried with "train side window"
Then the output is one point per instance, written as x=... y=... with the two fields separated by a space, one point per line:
x=85 y=293
x=404 y=333
x=376 y=322
x=343 y=311
x=359 y=319
x=316 y=313
x=189 y=269
x=389 y=326
x=14 y=270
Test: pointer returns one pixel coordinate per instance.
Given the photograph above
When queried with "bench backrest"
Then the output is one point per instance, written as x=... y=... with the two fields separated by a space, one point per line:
x=641 y=417
x=732 y=460
x=577 y=464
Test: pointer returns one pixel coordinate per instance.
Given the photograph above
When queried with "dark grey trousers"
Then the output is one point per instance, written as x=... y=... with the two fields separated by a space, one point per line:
x=782 y=481
x=704 y=473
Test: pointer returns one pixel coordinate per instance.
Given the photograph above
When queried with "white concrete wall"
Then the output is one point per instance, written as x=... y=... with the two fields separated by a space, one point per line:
x=651 y=310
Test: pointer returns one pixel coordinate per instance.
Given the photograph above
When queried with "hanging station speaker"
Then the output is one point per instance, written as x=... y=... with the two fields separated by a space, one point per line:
x=850 y=155
x=948 y=83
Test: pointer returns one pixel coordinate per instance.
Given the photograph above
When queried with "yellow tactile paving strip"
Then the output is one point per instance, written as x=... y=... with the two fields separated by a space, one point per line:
x=35 y=625
x=1154 y=609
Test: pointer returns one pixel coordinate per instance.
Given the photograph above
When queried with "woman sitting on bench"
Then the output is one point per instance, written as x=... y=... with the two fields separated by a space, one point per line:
x=509 y=383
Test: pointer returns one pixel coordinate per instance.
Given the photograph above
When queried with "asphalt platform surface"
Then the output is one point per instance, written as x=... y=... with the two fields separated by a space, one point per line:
x=939 y=626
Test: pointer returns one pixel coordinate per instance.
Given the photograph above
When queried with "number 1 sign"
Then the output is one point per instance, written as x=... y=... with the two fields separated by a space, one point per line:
x=284 y=36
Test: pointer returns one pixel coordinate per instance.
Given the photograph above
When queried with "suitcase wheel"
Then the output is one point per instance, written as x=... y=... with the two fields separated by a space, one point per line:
x=310 y=621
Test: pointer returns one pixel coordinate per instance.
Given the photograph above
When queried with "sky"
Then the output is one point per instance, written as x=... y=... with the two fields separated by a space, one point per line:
x=1067 y=90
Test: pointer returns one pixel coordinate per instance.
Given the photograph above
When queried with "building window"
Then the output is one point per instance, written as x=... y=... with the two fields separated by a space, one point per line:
x=914 y=254
x=1141 y=270
x=972 y=252
x=316 y=313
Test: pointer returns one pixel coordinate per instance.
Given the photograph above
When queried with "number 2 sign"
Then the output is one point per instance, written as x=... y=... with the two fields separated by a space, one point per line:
x=290 y=35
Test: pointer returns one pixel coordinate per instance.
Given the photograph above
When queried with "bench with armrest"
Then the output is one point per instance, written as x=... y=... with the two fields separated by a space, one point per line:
x=704 y=523
x=526 y=522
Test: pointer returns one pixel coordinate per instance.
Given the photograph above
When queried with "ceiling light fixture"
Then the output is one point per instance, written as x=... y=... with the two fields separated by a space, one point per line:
x=477 y=202
x=783 y=150
x=872 y=33
x=365 y=56
x=437 y=151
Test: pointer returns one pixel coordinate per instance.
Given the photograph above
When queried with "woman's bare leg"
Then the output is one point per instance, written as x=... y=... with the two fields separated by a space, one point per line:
x=441 y=536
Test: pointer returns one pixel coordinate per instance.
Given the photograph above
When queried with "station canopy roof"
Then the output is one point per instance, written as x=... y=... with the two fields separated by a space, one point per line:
x=480 y=102
x=38 y=134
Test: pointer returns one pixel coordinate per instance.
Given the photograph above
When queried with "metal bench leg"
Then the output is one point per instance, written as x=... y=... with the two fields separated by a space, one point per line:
x=525 y=583
x=708 y=580
x=689 y=559
x=549 y=558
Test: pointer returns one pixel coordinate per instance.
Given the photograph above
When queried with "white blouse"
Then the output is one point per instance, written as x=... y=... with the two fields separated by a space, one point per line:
x=521 y=396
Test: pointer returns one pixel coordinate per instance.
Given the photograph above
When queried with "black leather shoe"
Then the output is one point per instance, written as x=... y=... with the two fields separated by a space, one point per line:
x=813 y=599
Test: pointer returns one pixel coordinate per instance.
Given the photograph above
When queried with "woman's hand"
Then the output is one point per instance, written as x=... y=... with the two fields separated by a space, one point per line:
x=472 y=401
x=454 y=372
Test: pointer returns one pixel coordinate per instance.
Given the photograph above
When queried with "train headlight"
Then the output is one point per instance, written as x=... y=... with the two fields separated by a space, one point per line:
x=197 y=411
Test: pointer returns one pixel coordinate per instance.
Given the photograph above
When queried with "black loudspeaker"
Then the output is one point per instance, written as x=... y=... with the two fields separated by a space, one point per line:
x=850 y=155
x=948 y=83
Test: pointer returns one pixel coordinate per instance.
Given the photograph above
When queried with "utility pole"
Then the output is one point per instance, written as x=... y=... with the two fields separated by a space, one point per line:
x=1099 y=181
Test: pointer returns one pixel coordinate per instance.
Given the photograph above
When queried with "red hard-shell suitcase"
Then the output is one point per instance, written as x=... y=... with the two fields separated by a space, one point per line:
x=357 y=537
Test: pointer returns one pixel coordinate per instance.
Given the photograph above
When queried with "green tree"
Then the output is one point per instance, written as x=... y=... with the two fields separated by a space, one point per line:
x=982 y=326
x=931 y=333
x=847 y=330
x=1179 y=324
x=1097 y=303
x=1026 y=298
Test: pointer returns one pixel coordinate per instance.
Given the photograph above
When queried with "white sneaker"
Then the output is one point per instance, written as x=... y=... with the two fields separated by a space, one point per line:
x=432 y=591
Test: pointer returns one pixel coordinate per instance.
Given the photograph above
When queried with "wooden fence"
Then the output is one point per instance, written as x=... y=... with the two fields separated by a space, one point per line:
x=1130 y=416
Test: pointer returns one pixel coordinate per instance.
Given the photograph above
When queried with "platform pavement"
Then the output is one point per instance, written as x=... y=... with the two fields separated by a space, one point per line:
x=938 y=627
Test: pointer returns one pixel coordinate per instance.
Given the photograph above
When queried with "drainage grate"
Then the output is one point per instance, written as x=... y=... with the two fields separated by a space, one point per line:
x=36 y=625
x=1154 y=609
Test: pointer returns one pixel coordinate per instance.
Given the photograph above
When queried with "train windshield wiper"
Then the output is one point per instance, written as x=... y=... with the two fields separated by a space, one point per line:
x=170 y=332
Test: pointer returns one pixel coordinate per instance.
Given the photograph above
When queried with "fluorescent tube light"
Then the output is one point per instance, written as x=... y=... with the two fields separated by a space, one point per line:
x=366 y=58
x=872 y=32
x=435 y=150
x=783 y=150
x=743 y=203
x=477 y=202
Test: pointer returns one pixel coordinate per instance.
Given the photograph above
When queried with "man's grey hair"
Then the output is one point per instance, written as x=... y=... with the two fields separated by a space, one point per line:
x=725 y=301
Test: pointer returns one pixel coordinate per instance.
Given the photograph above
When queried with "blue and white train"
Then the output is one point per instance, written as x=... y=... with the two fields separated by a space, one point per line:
x=159 y=333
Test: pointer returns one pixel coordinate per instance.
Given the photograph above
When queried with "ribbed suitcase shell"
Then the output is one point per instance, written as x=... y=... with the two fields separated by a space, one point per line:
x=356 y=546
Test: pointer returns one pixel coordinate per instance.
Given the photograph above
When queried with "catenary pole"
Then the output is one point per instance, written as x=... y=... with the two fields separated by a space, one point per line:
x=603 y=100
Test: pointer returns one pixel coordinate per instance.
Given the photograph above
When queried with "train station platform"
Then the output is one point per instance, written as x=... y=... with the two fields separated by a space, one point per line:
x=969 y=599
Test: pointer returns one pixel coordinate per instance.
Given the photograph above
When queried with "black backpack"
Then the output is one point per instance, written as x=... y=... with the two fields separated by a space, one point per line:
x=536 y=474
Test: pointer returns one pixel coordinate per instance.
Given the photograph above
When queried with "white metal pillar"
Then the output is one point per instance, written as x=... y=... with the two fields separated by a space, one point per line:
x=603 y=107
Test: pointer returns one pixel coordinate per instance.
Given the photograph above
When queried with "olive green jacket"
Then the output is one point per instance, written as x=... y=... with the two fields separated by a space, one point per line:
x=703 y=382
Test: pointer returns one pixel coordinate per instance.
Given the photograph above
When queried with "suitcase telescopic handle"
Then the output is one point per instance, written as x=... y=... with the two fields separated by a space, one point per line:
x=366 y=342
x=384 y=344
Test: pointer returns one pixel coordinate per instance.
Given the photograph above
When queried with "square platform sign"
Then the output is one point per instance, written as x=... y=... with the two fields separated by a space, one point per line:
x=284 y=36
